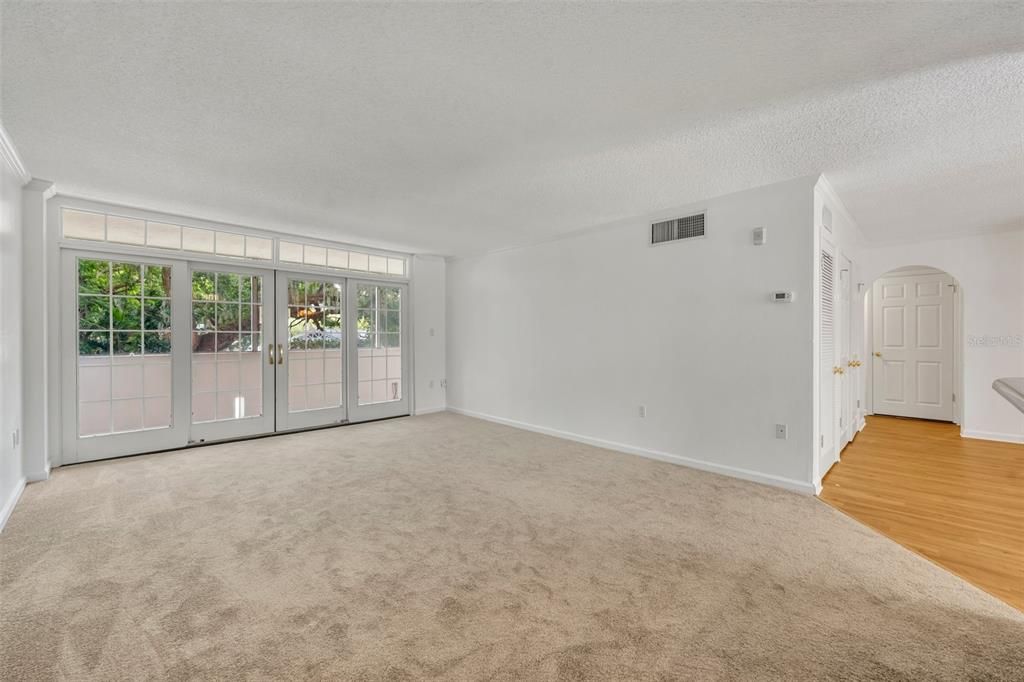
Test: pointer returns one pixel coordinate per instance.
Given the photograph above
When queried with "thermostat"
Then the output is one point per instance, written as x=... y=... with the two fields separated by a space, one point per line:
x=783 y=296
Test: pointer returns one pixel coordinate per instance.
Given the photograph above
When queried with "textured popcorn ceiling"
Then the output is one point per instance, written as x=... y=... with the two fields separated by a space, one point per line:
x=459 y=128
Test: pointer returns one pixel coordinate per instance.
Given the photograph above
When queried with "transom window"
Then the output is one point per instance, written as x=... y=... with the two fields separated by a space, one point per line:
x=94 y=226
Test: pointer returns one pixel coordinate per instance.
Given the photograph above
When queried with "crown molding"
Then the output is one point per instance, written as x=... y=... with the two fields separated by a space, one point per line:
x=10 y=154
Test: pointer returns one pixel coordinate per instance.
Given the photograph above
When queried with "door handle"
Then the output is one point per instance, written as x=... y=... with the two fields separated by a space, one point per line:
x=280 y=354
x=877 y=354
x=270 y=353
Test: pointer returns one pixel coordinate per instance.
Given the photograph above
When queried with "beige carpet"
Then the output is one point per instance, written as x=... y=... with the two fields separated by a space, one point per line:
x=446 y=547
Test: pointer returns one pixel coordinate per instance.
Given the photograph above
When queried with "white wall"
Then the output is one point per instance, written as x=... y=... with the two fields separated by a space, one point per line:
x=990 y=270
x=428 y=282
x=572 y=336
x=11 y=475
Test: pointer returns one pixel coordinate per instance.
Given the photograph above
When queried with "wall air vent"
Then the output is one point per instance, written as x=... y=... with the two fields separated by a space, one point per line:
x=678 y=228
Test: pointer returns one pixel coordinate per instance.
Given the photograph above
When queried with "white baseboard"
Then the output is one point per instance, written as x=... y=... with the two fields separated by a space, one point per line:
x=8 y=507
x=430 y=410
x=803 y=487
x=988 y=435
x=38 y=476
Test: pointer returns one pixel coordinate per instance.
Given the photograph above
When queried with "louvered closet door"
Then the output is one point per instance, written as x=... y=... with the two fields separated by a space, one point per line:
x=828 y=404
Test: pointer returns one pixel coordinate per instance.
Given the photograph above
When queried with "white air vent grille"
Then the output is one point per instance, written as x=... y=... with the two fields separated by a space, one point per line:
x=678 y=228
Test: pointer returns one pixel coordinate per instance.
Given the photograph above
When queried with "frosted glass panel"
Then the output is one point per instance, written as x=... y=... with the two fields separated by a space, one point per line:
x=290 y=252
x=229 y=244
x=358 y=261
x=83 y=225
x=163 y=235
x=259 y=247
x=195 y=239
x=126 y=230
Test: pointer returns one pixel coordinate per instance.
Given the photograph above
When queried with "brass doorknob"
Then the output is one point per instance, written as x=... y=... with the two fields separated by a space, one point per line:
x=877 y=354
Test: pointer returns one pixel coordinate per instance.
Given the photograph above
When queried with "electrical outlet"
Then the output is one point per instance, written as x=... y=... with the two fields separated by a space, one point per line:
x=642 y=411
x=781 y=432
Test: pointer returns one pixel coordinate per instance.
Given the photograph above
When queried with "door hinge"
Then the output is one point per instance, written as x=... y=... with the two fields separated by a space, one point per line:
x=840 y=422
x=954 y=397
x=858 y=402
x=822 y=440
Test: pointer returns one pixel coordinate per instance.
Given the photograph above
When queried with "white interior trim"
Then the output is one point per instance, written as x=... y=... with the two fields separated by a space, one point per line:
x=8 y=508
x=803 y=487
x=988 y=435
x=10 y=155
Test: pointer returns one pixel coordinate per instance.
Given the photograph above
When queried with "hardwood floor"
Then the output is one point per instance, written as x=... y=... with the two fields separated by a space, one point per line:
x=957 y=501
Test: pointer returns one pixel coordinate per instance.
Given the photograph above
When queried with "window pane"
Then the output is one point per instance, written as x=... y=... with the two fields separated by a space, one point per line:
x=315 y=255
x=157 y=342
x=229 y=244
x=337 y=258
x=157 y=313
x=228 y=287
x=289 y=252
x=127 y=343
x=378 y=264
x=204 y=286
x=126 y=279
x=196 y=239
x=93 y=276
x=163 y=235
x=94 y=343
x=396 y=266
x=259 y=247
x=358 y=261
x=156 y=280
x=126 y=313
x=83 y=225
x=126 y=230
x=93 y=312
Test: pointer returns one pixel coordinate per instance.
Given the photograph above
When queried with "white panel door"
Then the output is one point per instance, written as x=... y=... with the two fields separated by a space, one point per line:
x=913 y=346
x=310 y=360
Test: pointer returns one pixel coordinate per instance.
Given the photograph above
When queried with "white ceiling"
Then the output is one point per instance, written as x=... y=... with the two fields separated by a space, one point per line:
x=459 y=128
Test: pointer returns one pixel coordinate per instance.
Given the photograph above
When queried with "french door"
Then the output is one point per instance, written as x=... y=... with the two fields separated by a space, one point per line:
x=161 y=353
x=340 y=350
x=232 y=378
